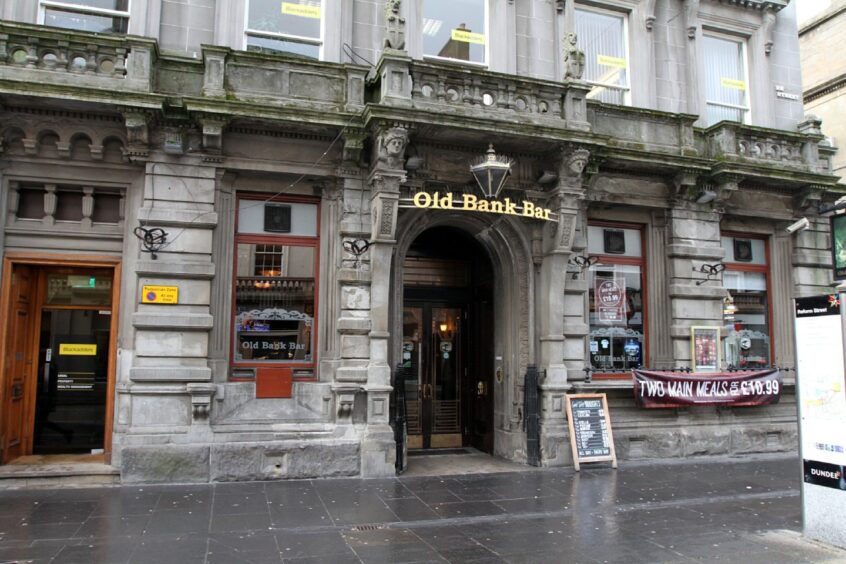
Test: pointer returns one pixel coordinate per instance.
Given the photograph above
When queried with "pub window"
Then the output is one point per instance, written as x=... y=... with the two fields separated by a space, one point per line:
x=746 y=309
x=456 y=30
x=616 y=291
x=726 y=91
x=101 y=16
x=602 y=37
x=275 y=284
x=292 y=27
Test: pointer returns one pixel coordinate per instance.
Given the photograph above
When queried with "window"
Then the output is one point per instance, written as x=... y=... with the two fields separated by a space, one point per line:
x=616 y=290
x=455 y=29
x=746 y=310
x=726 y=96
x=275 y=282
x=292 y=26
x=602 y=37
x=109 y=16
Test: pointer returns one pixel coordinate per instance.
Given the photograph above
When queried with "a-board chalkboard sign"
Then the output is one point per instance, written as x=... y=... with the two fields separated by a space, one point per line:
x=590 y=429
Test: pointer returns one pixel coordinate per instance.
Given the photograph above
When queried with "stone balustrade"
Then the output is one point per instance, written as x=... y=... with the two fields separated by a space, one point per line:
x=27 y=52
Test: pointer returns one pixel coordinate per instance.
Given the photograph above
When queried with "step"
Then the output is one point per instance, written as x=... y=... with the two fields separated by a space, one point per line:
x=57 y=475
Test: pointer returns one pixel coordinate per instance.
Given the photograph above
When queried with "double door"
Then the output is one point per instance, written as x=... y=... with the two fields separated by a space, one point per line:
x=447 y=389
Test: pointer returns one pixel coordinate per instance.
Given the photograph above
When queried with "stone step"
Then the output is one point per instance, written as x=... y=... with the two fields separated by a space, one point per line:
x=22 y=474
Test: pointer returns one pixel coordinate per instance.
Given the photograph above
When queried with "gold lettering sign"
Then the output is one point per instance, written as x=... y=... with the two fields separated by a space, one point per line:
x=292 y=9
x=77 y=349
x=609 y=61
x=471 y=203
x=732 y=83
x=468 y=36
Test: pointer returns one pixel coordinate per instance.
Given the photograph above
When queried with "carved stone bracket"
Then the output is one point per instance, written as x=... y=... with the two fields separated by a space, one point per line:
x=345 y=401
x=353 y=145
x=685 y=185
x=808 y=199
x=649 y=19
x=137 y=134
x=201 y=396
x=691 y=17
x=559 y=6
x=767 y=30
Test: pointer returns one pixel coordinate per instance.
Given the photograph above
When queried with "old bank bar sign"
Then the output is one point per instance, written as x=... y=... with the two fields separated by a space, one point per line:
x=471 y=203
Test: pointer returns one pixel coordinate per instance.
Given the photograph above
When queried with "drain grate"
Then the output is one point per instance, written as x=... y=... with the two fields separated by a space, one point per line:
x=371 y=527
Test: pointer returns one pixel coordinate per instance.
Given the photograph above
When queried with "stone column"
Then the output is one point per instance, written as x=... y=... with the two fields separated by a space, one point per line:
x=557 y=247
x=378 y=449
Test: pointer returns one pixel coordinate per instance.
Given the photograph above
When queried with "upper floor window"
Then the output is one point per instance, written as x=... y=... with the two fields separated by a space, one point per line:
x=291 y=26
x=617 y=298
x=726 y=92
x=455 y=29
x=746 y=310
x=109 y=16
x=602 y=37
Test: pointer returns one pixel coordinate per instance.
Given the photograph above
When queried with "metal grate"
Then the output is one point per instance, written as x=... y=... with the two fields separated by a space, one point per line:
x=446 y=417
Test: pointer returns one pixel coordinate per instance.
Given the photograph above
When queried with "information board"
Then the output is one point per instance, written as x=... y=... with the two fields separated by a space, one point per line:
x=590 y=429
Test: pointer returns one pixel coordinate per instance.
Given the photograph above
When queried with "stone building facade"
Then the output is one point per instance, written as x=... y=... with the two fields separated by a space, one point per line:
x=216 y=252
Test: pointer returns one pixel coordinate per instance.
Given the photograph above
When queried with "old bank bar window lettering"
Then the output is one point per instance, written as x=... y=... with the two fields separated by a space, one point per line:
x=275 y=283
x=617 y=339
x=746 y=310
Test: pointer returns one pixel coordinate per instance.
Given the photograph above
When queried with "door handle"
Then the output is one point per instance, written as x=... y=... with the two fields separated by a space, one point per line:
x=427 y=391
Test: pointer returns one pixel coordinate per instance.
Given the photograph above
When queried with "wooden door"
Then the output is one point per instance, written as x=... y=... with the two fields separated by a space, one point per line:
x=18 y=364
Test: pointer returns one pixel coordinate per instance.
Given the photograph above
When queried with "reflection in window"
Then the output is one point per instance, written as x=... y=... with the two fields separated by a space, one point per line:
x=746 y=306
x=274 y=303
x=101 y=16
x=616 y=317
x=92 y=288
x=725 y=80
x=601 y=35
x=455 y=29
x=291 y=27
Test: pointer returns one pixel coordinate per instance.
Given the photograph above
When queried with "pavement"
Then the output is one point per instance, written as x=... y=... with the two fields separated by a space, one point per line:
x=734 y=510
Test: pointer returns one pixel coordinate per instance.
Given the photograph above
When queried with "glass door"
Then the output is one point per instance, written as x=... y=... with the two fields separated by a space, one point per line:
x=432 y=352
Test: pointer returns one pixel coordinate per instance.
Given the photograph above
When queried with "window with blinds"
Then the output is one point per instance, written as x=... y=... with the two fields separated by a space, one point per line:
x=602 y=37
x=726 y=91
x=100 y=16
x=292 y=27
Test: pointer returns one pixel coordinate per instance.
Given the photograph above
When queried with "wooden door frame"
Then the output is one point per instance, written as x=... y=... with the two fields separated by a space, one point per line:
x=113 y=263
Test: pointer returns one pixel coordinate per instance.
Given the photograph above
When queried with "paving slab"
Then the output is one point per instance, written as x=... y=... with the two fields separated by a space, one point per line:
x=721 y=510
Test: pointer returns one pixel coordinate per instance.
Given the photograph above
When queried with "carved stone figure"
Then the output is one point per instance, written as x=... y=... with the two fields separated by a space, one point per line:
x=574 y=58
x=395 y=26
x=577 y=162
x=391 y=147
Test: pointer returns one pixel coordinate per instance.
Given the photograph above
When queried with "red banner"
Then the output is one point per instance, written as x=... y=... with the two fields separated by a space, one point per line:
x=681 y=389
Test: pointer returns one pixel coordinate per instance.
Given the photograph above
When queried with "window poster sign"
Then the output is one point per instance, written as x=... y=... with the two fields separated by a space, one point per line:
x=653 y=389
x=838 y=245
x=705 y=348
x=820 y=380
x=610 y=297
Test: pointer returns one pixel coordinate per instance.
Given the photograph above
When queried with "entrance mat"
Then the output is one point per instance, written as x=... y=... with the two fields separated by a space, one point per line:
x=431 y=451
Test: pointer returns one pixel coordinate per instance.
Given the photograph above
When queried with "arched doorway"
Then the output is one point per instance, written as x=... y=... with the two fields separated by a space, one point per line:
x=448 y=341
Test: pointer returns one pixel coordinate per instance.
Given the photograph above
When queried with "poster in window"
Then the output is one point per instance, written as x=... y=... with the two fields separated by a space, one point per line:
x=838 y=245
x=705 y=348
x=610 y=299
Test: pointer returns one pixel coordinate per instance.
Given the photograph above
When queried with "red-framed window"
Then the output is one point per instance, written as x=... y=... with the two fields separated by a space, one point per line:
x=275 y=287
x=747 y=311
x=618 y=337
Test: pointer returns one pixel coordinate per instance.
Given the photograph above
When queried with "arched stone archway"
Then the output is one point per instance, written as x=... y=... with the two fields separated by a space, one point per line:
x=509 y=250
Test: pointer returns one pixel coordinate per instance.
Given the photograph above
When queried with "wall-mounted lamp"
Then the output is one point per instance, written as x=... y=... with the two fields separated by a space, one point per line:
x=582 y=263
x=153 y=239
x=490 y=173
x=444 y=330
x=709 y=270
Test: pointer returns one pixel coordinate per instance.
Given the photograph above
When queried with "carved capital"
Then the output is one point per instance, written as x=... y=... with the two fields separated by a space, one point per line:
x=390 y=144
x=353 y=145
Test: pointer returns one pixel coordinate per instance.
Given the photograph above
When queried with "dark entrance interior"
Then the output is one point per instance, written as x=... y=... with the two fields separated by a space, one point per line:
x=58 y=342
x=448 y=341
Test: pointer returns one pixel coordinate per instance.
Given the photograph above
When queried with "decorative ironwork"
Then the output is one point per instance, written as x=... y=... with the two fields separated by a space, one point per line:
x=531 y=415
x=153 y=239
x=582 y=263
x=709 y=270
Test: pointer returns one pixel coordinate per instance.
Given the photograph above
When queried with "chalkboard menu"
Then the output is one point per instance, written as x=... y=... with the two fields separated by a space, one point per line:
x=590 y=429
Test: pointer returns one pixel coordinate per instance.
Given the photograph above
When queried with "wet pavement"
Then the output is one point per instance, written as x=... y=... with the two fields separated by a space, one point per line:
x=718 y=510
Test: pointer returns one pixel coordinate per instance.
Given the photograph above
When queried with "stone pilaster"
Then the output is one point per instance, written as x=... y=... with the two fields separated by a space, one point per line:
x=551 y=296
x=660 y=318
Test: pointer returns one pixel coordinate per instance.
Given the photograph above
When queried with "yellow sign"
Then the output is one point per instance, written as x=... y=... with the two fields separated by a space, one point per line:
x=468 y=36
x=609 y=61
x=302 y=10
x=732 y=83
x=468 y=202
x=160 y=294
x=77 y=349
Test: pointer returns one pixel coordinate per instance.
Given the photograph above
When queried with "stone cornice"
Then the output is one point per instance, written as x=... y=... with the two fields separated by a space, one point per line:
x=827 y=87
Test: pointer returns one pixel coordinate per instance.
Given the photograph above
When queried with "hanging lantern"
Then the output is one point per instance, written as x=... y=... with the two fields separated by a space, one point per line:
x=491 y=173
